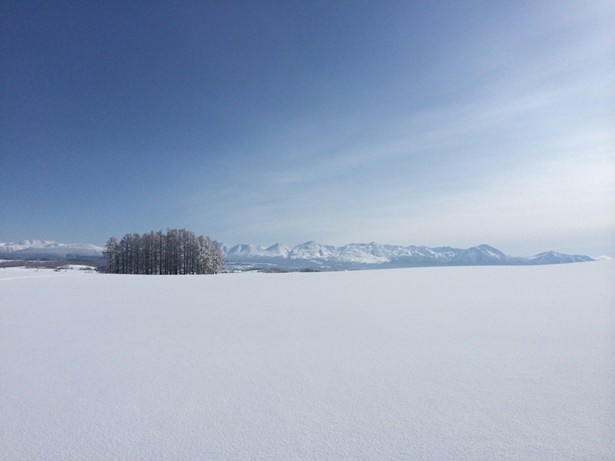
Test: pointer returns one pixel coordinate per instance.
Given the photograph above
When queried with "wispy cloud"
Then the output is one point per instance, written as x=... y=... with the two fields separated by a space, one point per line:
x=525 y=153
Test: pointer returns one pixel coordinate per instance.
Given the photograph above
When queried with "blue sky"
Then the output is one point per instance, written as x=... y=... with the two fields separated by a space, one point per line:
x=398 y=122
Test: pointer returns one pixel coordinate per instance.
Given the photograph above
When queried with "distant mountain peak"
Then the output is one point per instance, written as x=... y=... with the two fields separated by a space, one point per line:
x=554 y=257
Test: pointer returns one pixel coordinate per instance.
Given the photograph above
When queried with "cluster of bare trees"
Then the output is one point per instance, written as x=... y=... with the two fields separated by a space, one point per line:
x=179 y=251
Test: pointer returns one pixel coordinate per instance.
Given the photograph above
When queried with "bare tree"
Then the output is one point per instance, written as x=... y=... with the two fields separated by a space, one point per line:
x=112 y=255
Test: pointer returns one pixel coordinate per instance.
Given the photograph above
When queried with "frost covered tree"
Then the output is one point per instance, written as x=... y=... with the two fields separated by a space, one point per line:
x=179 y=251
x=112 y=255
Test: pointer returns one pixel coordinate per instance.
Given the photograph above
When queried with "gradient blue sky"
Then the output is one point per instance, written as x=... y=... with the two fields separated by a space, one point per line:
x=435 y=123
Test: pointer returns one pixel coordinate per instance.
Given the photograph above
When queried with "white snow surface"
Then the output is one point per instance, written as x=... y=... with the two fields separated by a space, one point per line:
x=513 y=362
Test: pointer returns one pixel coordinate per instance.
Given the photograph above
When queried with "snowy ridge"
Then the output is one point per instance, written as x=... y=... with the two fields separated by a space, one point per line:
x=47 y=249
x=365 y=255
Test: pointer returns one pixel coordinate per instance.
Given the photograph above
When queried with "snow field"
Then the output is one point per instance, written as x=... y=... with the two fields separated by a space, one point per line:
x=427 y=363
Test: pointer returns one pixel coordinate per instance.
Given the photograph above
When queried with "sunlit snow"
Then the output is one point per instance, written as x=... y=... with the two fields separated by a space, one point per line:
x=429 y=363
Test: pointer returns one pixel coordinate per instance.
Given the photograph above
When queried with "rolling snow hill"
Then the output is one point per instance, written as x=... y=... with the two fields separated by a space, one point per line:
x=375 y=255
x=427 y=363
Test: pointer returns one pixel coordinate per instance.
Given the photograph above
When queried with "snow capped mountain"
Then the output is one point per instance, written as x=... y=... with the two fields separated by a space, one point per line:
x=482 y=254
x=26 y=244
x=244 y=250
x=371 y=255
x=368 y=253
x=312 y=251
x=278 y=250
x=553 y=257
x=46 y=249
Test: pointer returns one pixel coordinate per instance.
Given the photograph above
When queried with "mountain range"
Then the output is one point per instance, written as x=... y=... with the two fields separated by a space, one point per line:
x=312 y=255
x=309 y=255
x=49 y=250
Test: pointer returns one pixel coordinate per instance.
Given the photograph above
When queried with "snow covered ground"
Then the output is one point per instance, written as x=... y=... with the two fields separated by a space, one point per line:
x=430 y=363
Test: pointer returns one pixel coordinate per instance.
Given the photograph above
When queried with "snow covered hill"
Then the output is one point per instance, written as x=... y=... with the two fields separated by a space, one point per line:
x=46 y=249
x=370 y=255
x=464 y=363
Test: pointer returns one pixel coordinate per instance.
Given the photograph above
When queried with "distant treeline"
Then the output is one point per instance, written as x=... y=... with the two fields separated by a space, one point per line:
x=179 y=251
